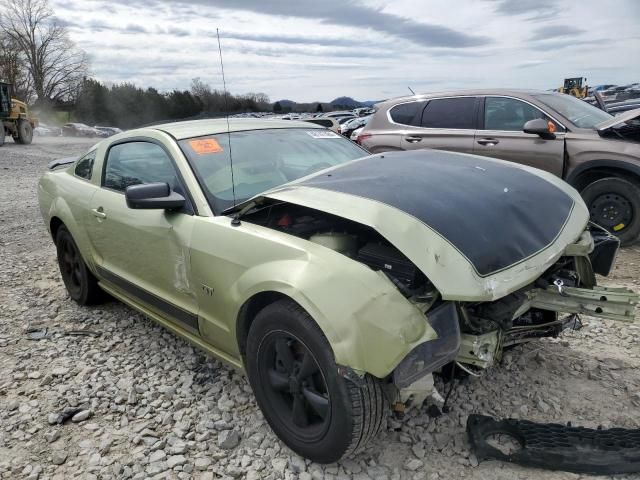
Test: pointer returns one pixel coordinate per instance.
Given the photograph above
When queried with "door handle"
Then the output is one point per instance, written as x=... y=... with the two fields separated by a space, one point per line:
x=490 y=142
x=412 y=139
x=99 y=213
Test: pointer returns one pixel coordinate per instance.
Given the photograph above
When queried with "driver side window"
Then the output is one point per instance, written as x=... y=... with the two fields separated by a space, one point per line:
x=134 y=163
x=509 y=114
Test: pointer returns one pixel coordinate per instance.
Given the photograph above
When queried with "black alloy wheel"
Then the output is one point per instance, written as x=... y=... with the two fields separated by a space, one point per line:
x=614 y=204
x=297 y=390
x=78 y=279
x=317 y=412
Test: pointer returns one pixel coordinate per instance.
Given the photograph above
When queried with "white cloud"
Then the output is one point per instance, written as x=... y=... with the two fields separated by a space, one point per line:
x=365 y=49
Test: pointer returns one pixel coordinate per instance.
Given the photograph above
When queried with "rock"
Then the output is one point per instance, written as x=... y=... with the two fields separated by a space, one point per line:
x=413 y=464
x=132 y=398
x=58 y=457
x=34 y=375
x=157 y=456
x=52 y=436
x=174 y=460
x=279 y=464
x=59 y=371
x=81 y=416
x=52 y=418
x=202 y=463
x=297 y=464
x=178 y=447
x=228 y=439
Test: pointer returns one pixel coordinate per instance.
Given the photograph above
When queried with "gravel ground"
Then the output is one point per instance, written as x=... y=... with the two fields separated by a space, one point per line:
x=148 y=405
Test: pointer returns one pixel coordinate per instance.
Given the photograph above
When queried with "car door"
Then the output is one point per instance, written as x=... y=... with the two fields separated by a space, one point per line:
x=144 y=253
x=443 y=123
x=501 y=136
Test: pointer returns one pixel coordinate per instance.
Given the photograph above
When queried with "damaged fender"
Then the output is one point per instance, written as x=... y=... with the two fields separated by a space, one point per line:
x=359 y=310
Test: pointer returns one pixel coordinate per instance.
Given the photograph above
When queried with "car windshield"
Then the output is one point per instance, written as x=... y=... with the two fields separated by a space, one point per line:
x=262 y=159
x=579 y=112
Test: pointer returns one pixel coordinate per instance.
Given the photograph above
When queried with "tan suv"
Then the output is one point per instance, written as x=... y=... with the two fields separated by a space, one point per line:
x=596 y=153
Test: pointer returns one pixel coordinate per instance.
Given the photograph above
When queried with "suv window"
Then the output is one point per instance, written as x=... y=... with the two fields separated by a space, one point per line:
x=450 y=113
x=509 y=114
x=134 y=163
x=84 y=167
x=407 y=113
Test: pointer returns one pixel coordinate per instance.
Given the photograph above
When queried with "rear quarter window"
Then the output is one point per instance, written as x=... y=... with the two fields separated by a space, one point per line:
x=407 y=113
x=84 y=167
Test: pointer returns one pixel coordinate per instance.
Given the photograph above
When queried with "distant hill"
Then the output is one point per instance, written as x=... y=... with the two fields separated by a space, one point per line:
x=347 y=103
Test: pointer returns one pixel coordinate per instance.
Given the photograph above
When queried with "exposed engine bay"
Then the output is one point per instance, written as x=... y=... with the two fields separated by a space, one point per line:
x=484 y=329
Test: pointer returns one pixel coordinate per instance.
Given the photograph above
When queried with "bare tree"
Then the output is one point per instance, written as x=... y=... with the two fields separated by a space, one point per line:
x=55 y=65
x=13 y=69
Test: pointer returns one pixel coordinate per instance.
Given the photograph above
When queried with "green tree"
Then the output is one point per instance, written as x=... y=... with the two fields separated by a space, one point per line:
x=319 y=108
x=277 y=108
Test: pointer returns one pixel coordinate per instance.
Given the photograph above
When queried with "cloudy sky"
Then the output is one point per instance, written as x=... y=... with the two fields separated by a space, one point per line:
x=308 y=50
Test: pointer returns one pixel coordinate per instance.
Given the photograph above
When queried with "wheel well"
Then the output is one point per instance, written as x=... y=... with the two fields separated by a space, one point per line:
x=248 y=313
x=54 y=225
x=589 y=176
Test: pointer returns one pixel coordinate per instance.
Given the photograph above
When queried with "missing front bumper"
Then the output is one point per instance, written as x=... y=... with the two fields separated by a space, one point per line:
x=558 y=447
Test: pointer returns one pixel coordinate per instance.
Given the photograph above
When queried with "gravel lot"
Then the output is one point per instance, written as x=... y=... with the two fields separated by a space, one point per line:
x=152 y=406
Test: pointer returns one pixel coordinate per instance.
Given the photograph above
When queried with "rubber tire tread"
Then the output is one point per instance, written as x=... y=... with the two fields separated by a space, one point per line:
x=91 y=293
x=367 y=398
x=629 y=190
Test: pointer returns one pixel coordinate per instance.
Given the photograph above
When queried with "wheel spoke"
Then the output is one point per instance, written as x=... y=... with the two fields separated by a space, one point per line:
x=319 y=403
x=278 y=380
x=284 y=354
x=308 y=367
x=299 y=414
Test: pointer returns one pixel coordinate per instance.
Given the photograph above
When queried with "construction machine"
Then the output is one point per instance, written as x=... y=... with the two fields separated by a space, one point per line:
x=576 y=87
x=15 y=118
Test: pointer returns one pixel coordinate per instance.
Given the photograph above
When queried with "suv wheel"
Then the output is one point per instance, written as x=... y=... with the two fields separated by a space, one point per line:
x=78 y=280
x=314 y=410
x=614 y=203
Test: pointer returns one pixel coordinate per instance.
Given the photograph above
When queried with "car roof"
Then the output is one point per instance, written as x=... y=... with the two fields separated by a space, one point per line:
x=199 y=128
x=516 y=92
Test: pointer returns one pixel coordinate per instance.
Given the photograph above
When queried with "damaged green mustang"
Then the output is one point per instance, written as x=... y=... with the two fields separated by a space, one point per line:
x=339 y=282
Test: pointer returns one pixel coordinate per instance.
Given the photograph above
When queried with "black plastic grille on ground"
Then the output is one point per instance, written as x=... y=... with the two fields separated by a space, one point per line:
x=558 y=447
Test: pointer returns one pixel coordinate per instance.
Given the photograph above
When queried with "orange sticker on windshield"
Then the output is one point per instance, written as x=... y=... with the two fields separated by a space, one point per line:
x=203 y=146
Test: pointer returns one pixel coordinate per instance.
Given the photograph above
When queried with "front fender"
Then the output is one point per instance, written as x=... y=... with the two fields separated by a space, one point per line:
x=371 y=327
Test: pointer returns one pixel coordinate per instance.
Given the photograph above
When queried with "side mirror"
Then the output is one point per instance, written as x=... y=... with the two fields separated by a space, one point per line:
x=149 y=196
x=540 y=127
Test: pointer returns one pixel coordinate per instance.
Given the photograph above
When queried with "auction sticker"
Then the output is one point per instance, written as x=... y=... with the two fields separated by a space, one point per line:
x=202 y=146
x=322 y=134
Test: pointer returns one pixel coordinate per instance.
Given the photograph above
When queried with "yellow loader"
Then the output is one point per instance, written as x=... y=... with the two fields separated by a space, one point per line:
x=15 y=118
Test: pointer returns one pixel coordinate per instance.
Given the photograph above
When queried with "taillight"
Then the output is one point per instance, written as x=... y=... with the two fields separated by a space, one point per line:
x=362 y=137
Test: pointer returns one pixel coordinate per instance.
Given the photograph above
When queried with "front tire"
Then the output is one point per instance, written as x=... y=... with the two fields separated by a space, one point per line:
x=25 y=132
x=314 y=410
x=614 y=203
x=79 y=281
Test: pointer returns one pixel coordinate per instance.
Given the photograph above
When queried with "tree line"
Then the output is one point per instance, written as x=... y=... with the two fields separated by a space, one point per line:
x=126 y=105
x=51 y=73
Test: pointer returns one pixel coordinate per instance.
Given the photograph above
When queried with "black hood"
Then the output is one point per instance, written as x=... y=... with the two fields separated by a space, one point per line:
x=495 y=213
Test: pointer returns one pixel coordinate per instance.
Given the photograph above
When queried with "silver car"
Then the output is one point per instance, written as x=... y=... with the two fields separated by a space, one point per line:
x=595 y=152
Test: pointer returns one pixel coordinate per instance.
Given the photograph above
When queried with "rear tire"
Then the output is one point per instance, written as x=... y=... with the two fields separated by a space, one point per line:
x=25 y=132
x=320 y=415
x=79 y=281
x=614 y=203
x=2 y=134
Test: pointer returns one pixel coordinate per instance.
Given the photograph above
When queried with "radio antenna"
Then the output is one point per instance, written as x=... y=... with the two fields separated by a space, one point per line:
x=412 y=92
x=226 y=107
